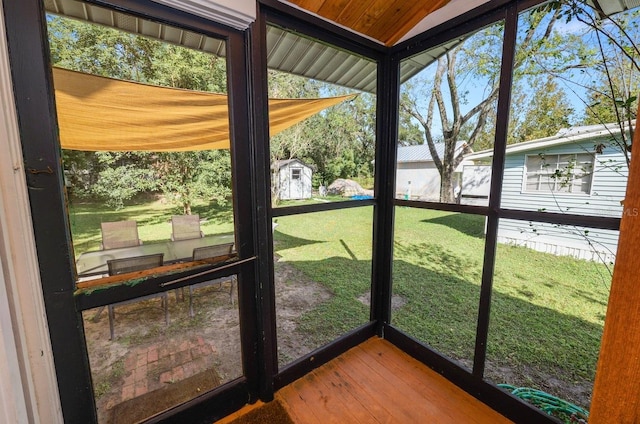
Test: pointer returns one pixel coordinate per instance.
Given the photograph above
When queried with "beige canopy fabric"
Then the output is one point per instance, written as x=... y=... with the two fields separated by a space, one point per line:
x=98 y=113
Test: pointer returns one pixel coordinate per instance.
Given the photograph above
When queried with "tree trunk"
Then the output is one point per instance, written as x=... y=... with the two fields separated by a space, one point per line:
x=446 y=185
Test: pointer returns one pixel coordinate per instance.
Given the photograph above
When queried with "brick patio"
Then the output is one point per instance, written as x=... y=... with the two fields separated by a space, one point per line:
x=151 y=368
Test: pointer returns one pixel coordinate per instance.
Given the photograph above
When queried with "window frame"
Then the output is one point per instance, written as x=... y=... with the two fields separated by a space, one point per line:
x=296 y=173
x=475 y=381
x=41 y=151
x=32 y=83
x=290 y=19
x=555 y=191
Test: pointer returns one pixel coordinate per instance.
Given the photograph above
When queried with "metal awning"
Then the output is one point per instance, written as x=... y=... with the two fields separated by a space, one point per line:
x=287 y=51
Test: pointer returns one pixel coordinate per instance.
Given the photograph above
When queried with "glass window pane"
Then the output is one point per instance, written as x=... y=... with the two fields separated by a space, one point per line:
x=437 y=268
x=547 y=311
x=332 y=145
x=146 y=187
x=155 y=183
x=322 y=278
x=447 y=113
x=551 y=282
x=533 y=181
x=151 y=365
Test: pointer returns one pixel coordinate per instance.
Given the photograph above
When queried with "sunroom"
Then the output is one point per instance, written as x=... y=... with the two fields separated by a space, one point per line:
x=367 y=306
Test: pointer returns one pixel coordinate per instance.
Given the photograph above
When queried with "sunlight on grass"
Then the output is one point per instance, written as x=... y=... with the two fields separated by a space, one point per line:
x=547 y=311
x=332 y=248
x=437 y=270
x=153 y=217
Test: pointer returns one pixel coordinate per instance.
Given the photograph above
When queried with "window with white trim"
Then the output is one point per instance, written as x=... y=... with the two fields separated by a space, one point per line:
x=563 y=173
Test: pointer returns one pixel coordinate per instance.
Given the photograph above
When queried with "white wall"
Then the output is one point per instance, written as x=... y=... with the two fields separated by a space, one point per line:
x=424 y=177
x=28 y=388
x=237 y=14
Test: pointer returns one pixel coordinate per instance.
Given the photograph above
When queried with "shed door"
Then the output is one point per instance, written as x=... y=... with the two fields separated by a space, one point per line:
x=296 y=184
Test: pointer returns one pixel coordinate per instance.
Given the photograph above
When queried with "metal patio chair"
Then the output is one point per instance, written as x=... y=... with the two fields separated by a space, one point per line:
x=208 y=252
x=185 y=227
x=136 y=263
x=119 y=234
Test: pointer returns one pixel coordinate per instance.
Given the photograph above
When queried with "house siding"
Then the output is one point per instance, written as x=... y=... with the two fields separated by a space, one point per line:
x=608 y=188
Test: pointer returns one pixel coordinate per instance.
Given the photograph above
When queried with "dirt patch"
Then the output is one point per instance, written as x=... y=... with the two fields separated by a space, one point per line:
x=397 y=301
x=295 y=295
x=140 y=327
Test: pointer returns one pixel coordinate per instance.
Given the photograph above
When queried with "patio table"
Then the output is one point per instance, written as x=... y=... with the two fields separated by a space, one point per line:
x=95 y=261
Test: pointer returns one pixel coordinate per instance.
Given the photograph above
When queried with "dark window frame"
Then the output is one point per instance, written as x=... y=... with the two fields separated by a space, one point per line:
x=289 y=19
x=51 y=227
x=474 y=382
x=296 y=173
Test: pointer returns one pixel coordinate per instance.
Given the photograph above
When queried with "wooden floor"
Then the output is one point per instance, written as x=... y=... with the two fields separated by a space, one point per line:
x=376 y=382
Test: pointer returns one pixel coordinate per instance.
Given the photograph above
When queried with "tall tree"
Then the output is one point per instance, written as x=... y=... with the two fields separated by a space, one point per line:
x=612 y=96
x=117 y=177
x=547 y=111
x=464 y=86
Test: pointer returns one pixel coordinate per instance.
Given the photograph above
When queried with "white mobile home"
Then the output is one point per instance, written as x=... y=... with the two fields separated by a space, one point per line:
x=577 y=171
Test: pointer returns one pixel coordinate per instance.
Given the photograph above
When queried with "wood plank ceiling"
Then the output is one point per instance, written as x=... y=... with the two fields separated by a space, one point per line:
x=383 y=20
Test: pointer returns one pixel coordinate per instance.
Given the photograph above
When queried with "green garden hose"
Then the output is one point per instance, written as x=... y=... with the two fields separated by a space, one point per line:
x=567 y=412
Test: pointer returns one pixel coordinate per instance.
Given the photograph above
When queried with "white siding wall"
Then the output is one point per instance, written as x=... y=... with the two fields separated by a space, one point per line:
x=424 y=177
x=607 y=190
x=579 y=242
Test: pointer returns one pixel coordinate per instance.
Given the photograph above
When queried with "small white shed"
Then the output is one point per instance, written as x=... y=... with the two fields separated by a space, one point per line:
x=293 y=179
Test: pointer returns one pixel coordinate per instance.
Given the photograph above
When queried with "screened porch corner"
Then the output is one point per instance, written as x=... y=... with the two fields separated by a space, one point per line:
x=409 y=309
x=373 y=382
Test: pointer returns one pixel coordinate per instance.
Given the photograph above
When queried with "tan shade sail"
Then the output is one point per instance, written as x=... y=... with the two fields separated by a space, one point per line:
x=98 y=113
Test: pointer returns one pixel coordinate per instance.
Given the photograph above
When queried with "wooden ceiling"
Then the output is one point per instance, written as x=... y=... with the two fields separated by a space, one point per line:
x=383 y=20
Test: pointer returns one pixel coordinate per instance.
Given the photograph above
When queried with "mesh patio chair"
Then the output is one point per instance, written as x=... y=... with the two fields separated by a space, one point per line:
x=136 y=263
x=119 y=234
x=185 y=227
x=207 y=252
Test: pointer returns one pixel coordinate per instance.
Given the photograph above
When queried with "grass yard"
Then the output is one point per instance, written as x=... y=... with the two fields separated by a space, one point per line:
x=547 y=311
x=153 y=217
x=332 y=248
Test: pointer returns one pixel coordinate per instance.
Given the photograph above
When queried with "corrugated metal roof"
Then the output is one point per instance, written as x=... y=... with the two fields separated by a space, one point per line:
x=610 y=7
x=286 y=51
x=563 y=136
x=115 y=19
x=421 y=153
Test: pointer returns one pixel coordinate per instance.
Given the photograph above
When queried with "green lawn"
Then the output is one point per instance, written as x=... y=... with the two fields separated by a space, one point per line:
x=153 y=217
x=547 y=311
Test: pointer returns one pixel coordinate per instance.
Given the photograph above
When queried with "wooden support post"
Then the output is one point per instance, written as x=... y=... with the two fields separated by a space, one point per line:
x=616 y=394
